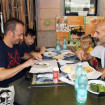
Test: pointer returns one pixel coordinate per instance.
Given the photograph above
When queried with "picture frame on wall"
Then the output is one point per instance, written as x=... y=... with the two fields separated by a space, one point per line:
x=80 y=7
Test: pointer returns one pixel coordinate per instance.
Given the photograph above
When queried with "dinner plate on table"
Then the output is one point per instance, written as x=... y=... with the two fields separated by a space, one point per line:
x=42 y=66
x=62 y=51
x=89 y=70
x=49 y=54
x=96 y=82
x=67 y=69
x=67 y=54
x=50 y=49
x=72 y=76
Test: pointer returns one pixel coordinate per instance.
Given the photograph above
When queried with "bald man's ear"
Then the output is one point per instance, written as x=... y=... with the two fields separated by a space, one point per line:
x=10 y=33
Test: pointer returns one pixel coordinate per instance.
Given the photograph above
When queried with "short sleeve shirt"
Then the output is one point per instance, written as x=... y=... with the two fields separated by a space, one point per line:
x=9 y=58
x=89 y=50
x=99 y=52
x=27 y=49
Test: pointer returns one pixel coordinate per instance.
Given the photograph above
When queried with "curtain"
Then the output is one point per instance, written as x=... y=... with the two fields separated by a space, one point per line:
x=21 y=9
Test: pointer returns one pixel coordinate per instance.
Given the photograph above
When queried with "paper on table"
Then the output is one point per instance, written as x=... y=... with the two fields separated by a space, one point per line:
x=45 y=75
x=53 y=64
x=66 y=80
x=94 y=75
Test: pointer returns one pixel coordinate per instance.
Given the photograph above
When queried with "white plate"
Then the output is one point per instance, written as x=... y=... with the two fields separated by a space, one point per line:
x=90 y=73
x=72 y=76
x=65 y=51
x=50 y=49
x=66 y=54
x=50 y=54
x=42 y=66
x=63 y=69
x=94 y=81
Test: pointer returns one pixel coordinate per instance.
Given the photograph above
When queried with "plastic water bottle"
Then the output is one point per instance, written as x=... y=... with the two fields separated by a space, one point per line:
x=82 y=88
x=64 y=43
x=58 y=46
x=78 y=72
x=57 y=42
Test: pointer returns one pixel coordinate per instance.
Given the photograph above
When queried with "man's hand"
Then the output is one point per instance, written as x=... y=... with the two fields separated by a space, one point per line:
x=29 y=62
x=80 y=54
x=37 y=55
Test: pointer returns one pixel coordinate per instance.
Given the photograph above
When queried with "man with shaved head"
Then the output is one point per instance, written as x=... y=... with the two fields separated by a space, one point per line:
x=99 y=50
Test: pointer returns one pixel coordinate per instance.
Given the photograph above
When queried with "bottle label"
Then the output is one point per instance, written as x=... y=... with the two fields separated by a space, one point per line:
x=55 y=76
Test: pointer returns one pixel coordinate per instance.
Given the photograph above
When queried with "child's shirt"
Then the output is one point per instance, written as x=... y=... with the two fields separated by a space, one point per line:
x=89 y=50
x=27 y=49
x=95 y=62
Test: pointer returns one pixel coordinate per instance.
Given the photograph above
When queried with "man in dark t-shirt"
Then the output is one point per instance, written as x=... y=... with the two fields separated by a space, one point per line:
x=10 y=62
x=9 y=58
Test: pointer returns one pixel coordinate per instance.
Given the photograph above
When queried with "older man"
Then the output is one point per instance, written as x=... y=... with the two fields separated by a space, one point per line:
x=10 y=60
x=99 y=50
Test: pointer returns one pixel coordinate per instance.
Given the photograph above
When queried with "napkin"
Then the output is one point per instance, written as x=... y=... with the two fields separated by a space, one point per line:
x=45 y=75
x=94 y=75
x=64 y=79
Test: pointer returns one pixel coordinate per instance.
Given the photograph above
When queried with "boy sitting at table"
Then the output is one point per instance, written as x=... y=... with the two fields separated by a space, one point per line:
x=86 y=46
x=28 y=45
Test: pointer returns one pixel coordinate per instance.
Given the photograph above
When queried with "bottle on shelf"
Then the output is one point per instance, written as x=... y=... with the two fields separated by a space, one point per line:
x=82 y=88
x=64 y=43
x=58 y=46
x=78 y=72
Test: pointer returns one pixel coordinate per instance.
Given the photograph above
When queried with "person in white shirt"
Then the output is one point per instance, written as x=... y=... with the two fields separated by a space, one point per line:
x=99 y=50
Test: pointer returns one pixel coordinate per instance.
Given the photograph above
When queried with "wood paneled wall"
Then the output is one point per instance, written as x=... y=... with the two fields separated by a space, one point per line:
x=47 y=10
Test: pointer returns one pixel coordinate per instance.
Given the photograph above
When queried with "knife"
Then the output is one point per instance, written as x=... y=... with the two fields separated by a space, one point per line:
x=59 y=67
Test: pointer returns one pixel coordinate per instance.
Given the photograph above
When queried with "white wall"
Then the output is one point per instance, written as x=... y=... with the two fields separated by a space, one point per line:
x=100 y=7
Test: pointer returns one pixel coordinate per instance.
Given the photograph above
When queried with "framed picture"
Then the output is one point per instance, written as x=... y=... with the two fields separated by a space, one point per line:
x=80 y=7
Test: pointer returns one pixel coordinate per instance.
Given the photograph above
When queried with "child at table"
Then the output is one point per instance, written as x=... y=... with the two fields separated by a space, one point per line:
x=28 y=45
x=86 y=46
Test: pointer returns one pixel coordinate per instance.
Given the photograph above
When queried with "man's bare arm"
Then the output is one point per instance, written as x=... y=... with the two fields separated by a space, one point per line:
x=8 y=73
x=27 y=56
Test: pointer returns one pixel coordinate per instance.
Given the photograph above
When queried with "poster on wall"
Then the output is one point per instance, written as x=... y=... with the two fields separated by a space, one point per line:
x=73 y=27
x=79 y=5
x=73 y=7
